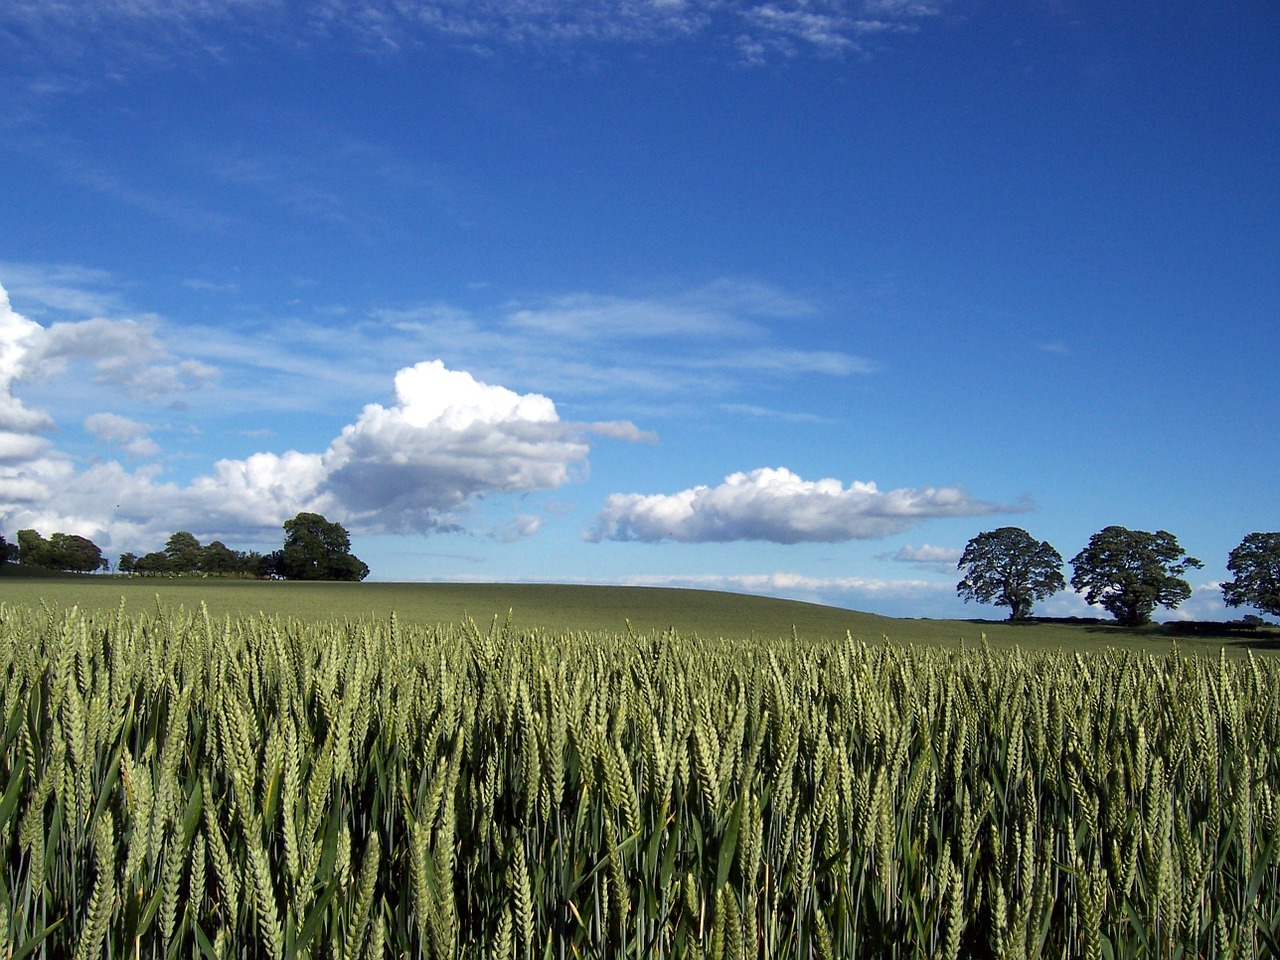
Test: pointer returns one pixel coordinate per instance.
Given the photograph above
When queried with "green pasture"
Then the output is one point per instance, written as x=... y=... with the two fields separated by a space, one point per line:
x=576 y=607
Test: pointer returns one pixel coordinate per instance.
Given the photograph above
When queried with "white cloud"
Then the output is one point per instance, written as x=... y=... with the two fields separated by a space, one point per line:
x=928 y=554
x=17 y=337
x=129 y=435
x=415 y=465
x=448 y=438
x=765 y=413
x=123 y=353
x=828 y=362
x=777 y=505
x=20 y=447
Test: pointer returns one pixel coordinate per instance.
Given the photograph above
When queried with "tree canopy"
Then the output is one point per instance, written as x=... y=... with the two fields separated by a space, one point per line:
x=1131 y=572
x=62 y=551
x=184 y=552
x=1256 y=568
x=1010 y=568
x=316 y=549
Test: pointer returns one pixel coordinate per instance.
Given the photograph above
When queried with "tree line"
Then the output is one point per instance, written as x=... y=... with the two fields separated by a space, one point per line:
x=1126 y=572
x=313 y=549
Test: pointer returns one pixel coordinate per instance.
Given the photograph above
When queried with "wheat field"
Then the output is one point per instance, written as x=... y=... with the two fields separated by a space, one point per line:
x=175 y=784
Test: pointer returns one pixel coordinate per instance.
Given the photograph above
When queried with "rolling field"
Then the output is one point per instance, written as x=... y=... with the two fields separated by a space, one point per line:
x=570 y=608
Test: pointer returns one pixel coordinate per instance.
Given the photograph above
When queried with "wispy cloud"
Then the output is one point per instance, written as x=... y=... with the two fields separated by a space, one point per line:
x=705 y=341
x=1054 y=346
x=776 y=505
x=720 y=343
x=755 y=412
x=60 y=288
x=928 y=555
x=755 y=30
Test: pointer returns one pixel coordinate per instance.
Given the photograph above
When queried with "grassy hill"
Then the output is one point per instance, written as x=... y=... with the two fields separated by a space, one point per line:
x=572 y=607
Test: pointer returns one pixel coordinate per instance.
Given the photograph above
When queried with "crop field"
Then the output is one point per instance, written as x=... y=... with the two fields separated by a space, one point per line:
x=182 y=784
x=609 y=609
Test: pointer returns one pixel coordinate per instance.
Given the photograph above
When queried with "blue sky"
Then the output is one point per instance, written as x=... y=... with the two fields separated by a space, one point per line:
x=787 y=297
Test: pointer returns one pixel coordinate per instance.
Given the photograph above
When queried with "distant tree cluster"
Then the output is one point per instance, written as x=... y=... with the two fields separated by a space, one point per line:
x=62 y=551
x=184 y=555
x=313 y=549
x=1126 y=572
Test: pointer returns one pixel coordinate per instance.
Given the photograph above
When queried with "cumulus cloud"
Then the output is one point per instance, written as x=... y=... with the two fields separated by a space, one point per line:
x=412 y=466
x=17 y=337
x=448 y=438
x=777 y=505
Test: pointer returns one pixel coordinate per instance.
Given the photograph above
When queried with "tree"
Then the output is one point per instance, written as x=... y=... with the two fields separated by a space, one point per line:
x=8 y=551
x=315 y=549
x=218 y=558
x=1256 y=565
x=1010 y=568
x=127 y=563
x=62 y=551
x=1129 y=572
x=184 y=552
x=34 y=550
x=76 y=553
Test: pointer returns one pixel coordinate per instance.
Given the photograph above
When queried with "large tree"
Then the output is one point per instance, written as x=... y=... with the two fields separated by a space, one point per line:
x=1010 y=568
x=76 y=553
x=1256 y=566
x=184 y=552
x=1131 y=572
x=315 y=549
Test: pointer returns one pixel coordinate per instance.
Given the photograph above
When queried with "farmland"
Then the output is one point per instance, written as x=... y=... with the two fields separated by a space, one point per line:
x=180 y=781
x=570 y=608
